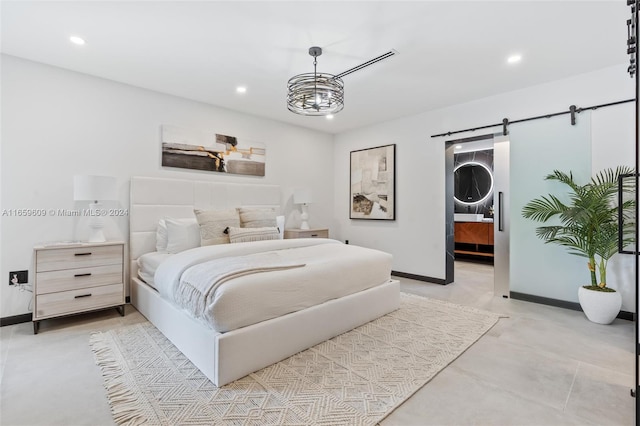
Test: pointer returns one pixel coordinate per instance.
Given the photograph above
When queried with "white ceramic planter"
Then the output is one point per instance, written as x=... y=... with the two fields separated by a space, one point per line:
x=599 y=306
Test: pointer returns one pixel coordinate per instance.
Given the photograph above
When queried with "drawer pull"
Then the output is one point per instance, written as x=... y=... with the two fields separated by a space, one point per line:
x=88 y=274
x=83 y=254
x=80 y=296
x=314 y=235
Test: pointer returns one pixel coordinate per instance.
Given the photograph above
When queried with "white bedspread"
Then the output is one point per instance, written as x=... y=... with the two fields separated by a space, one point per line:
x=331 y=270
x=199 y=283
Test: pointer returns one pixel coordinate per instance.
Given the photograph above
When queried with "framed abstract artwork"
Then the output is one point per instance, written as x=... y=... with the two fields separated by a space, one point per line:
x=208 y=151
x=373 y=183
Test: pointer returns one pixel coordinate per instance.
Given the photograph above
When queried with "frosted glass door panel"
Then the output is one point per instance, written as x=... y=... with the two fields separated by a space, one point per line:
x=537 y=148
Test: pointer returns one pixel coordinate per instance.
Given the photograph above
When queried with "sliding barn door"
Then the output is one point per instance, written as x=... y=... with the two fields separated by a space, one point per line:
x=501 y=196
x=538 y=148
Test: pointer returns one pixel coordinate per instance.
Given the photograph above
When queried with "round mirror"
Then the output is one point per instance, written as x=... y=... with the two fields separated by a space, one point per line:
x=473 y=183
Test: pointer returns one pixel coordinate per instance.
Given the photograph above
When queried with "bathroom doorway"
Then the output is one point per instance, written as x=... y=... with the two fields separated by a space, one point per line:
x=476 y=188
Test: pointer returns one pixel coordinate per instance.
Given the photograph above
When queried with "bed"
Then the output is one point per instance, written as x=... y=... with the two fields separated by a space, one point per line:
x=229 y=348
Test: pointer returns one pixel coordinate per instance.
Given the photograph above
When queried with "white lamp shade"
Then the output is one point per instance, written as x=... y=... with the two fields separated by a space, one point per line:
x=302 y=196
x=94 y=188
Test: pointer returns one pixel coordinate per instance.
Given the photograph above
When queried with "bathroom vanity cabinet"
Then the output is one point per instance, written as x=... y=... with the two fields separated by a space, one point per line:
x=474 y=238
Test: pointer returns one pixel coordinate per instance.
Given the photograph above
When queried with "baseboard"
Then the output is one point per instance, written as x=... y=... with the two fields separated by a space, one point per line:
x=626 y=315
x=16 y=319
x=574 y=306
x=419 y=277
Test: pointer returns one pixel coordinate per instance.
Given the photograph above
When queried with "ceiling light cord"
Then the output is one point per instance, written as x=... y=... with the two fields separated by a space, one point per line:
x=316 y=103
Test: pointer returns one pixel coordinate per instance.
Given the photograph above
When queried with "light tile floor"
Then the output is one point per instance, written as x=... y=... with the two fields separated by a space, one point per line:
x=540 y=366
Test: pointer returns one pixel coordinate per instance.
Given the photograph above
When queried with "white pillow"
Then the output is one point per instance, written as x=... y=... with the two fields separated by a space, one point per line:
x=161 y=232
x=182 y=235
x=161 y=236
x=246 y=235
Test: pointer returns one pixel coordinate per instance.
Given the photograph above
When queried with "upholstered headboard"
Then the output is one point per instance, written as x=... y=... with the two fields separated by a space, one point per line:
x=152 y=199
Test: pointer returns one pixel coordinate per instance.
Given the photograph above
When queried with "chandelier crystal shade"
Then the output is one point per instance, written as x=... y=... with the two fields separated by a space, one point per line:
x=315 y=93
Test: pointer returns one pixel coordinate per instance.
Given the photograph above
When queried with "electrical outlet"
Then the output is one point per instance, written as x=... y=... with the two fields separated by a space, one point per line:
x=18 y=277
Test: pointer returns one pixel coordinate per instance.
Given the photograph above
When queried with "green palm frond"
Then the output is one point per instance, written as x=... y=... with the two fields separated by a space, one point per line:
x=567 y=179
x=572 y=239
x=610 y=176
x=543 y=208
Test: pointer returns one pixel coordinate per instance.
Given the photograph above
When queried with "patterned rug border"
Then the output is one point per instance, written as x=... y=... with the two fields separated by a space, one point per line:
x=132 y=406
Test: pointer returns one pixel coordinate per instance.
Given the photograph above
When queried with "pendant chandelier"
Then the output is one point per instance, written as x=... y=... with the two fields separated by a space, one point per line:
x=315 y=93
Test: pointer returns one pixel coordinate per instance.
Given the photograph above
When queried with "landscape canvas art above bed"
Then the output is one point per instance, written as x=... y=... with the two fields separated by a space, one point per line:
x=373 y=183
x=203 y=150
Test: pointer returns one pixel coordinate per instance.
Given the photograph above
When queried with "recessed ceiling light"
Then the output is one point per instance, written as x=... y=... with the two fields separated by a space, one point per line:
x=330 y=117
x=458 y=146
x=514 y=59
x=241 y=89
x=77 y=40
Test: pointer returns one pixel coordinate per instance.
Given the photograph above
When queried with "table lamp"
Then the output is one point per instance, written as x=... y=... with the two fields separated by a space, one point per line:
x=96 y=189
x=303 y=196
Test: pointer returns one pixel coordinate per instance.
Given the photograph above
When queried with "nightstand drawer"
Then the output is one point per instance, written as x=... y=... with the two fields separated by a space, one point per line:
x=74 y=279
x=313 y=234
x=68 y=302
x=78 y=257
x=306 y=233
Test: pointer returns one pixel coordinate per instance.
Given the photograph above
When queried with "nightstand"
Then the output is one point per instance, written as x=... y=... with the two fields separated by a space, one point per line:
x=306 y=233
x=77 y=278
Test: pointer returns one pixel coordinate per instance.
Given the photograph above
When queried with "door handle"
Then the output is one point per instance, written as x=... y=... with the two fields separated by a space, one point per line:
x=500 y=211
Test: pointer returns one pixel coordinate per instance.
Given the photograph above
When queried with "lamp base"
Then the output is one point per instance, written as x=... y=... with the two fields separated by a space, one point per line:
x=96 y=223
x=304 y=217
x=96 y=236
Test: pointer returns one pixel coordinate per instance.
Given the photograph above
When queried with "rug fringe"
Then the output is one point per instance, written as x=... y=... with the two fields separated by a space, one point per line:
x=121 y=395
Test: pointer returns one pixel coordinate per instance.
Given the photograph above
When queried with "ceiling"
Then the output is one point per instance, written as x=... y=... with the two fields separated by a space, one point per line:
x=450 y=52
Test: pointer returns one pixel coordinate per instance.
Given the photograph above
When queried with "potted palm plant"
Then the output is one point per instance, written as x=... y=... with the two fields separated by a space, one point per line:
x=588 y=227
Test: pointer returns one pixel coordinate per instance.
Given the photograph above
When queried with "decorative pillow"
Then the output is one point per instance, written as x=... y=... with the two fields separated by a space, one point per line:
x=213 y=223
x=161 y=232
x=245 y=235
x=182 y=235
x=254 y=217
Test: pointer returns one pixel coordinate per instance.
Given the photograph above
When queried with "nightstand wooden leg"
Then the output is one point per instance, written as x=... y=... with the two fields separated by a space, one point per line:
x=120 y=309
x=36 y=326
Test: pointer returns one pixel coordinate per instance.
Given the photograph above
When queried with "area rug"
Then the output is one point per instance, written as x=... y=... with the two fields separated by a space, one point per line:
x=356 y=378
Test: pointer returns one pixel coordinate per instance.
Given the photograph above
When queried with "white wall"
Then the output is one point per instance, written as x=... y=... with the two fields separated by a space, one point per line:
x=57 y=123
x=417 y=237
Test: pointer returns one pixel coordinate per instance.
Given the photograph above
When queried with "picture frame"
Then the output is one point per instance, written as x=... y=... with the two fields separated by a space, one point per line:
x=372 y=180
x=208 y=151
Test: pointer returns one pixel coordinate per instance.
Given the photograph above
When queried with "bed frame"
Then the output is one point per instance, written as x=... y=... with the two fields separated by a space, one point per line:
x=225 y=357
